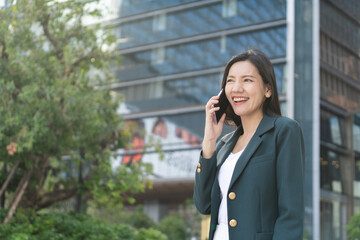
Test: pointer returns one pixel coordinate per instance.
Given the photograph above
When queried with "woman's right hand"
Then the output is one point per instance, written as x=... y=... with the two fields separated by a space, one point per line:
x=213 y=129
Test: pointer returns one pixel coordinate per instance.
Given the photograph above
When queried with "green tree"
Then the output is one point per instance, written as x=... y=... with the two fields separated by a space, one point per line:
x=353 y=228
x=118 y=215
x=138 y=219
x=58 y=128
x=150 y=234
x=60 y=226
x=174 y=227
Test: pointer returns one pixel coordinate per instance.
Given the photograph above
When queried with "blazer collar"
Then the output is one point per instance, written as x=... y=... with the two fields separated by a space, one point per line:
x=267 y=123
x=229 y=143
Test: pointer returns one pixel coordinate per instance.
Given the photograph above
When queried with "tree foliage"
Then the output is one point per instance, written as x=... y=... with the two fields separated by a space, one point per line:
x=353 y=228
x=59 y=226
x=56 y=124
x=174 y=227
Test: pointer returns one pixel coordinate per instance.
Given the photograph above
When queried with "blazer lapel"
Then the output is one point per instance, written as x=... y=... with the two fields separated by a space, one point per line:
x=266 y=124
x=230 y=142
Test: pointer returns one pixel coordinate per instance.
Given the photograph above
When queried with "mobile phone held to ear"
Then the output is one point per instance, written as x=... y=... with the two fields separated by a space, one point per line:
x=223 y=104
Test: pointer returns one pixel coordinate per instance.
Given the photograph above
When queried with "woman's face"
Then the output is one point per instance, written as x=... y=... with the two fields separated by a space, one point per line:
x=245 y=89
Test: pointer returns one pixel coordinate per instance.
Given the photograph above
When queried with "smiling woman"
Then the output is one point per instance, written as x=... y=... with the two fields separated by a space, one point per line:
x=251 y=180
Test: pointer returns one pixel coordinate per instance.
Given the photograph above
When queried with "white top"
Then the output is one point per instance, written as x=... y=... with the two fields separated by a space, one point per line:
x=225 y=174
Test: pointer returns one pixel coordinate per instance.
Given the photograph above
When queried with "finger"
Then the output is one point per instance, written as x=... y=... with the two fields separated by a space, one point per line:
x=213 y=98
x=211 y=103
x=222 y=119
x=214 y=109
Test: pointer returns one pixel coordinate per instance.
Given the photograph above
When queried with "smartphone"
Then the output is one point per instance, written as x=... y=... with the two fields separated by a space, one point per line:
x=223 y=104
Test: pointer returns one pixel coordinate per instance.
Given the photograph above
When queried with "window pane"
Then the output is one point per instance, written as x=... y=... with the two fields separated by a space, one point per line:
x=330 y=173
x=335 y=22
x=130 y=7
x=229 y=8
x=357 y=178
x=335 y=130
x=357 y=132
x=330 y=220
x=177 y=93
x=202 y=54
x=199 y=20
x=332 y=128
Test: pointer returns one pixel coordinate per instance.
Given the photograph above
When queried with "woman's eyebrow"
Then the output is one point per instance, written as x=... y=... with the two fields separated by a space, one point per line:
x=248 y=75
x=244 y=76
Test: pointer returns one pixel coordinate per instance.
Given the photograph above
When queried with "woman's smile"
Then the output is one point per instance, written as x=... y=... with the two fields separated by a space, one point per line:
x=240 y=100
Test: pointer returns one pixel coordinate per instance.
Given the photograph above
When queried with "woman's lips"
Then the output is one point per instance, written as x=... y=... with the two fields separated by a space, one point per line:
x=238 y=100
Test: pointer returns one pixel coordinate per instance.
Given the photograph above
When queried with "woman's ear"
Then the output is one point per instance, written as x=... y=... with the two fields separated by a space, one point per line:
x=268 y=91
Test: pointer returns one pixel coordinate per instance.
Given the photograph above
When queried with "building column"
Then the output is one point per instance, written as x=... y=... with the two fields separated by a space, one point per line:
x=307 y=105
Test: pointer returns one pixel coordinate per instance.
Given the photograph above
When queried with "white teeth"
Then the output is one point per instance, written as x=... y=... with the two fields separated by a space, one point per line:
x=240 y=99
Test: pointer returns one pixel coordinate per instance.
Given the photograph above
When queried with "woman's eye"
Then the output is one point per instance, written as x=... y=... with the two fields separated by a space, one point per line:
x=247 y=80
x=229 y=80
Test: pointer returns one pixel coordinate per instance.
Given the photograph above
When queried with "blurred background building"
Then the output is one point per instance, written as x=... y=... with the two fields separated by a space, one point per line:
x=174 y=52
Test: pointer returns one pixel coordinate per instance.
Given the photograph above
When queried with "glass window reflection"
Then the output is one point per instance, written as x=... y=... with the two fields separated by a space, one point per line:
x=229 y=8
x=330 y=173
x=330 y=220
x=332 y=128
x=201 y=55
x=339 y=24
x=159 y=22
x=335 y=130
x=172 y=93
x=131 y=7
x=357 y=177
x=203 y=19
x=179 y=92
x=356 y=132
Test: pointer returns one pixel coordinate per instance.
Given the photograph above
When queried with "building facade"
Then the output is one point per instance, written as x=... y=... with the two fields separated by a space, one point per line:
x=339 y=70
x=174 y=52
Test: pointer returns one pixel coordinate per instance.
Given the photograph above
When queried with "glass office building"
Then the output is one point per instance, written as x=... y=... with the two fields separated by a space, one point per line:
x=339 y=70
x=174 y=52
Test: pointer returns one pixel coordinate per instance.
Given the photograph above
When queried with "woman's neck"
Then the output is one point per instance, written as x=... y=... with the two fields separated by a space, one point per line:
x=251 y=123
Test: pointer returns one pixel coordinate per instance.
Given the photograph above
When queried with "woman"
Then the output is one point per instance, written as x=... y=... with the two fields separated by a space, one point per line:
x=251 y=180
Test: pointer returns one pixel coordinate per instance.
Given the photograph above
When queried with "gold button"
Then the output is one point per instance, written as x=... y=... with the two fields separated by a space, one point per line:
x=232 y=195
x=233 y=223
x=198 y=170
x=199 y=165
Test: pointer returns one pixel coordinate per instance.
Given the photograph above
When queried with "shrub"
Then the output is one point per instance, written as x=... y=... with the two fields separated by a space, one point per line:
x=150 y=234
x=125 y=232
x=353 y=228
x=58 y=226
x=174 y=227
x=139 y=220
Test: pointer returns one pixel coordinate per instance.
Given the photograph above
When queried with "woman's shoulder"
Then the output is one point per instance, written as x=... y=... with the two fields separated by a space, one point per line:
x=286 y=123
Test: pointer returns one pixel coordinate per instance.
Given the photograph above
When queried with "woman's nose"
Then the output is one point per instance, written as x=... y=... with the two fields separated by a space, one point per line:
x=237 y=87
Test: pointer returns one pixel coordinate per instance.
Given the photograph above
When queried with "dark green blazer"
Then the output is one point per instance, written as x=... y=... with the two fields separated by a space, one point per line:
x=266 y=195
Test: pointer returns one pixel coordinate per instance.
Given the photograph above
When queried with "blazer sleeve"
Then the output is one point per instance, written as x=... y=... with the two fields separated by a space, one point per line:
x=290 y=182
x=204 y=179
